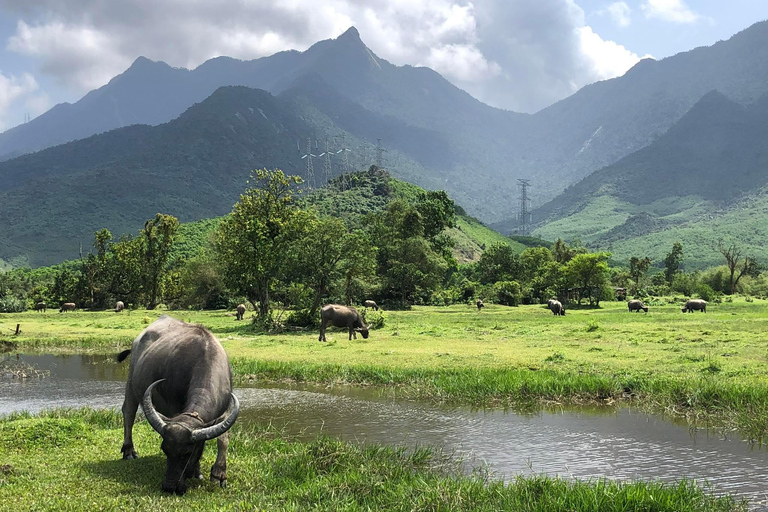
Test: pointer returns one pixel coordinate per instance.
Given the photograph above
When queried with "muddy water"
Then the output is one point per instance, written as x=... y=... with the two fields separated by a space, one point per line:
x=581 y=443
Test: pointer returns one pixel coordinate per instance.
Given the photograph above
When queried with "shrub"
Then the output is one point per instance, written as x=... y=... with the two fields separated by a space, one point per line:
x=706 y=292
x=592 y=325
x=10 y=304
x=373 y=319
x=507 y=293
x=302 y=318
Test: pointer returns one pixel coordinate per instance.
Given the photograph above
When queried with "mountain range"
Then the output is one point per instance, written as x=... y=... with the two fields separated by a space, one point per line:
x=704 y=180
x=434 y=134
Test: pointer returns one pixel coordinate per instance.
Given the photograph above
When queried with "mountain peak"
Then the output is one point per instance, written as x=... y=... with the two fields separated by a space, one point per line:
x=350 y=35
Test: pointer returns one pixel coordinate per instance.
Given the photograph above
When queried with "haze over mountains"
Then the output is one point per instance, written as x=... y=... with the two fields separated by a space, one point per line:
x=435 y=134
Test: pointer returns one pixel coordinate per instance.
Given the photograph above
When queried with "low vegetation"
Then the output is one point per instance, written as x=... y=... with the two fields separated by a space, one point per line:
x=69 y=460
x=702 y=365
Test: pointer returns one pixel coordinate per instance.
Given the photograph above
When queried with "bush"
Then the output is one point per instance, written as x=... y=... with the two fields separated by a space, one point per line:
x=507 y=293
x=706 y=292
x=592 y=325
x=10 y=304
x=373 y=319
x=302 y=318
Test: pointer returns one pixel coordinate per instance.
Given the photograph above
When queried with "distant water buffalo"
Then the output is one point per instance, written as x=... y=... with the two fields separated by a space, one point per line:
x=181 y=376
x=556 y=307
x=695 y=305
x=119 y=306
x=240 y=313
x=41 y=306
x=67 y=306
x=479 y=304
x=636 y=305
x=342 y=316
x=371 y=304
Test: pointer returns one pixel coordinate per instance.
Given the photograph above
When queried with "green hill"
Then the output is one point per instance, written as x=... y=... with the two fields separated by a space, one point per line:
x=364 y=192
x=702 y=181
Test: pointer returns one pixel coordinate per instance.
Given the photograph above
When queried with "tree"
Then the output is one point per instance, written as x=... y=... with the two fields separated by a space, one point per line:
x=637 y=268
x=498 y=263
x=358 y=265
x=252 y=241
x=318 y=255
x=563 y=253
x=157 y=239
x=673 y=261
x=406 y=260
x=736 y=266
x=95 y=268
x=589 y=274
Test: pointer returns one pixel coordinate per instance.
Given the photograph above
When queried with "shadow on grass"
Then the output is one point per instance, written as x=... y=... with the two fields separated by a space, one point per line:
x=142 y=475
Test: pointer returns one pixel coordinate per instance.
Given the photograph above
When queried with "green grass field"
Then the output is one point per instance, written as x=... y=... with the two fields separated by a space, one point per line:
x=69 y=461
x=698 y=364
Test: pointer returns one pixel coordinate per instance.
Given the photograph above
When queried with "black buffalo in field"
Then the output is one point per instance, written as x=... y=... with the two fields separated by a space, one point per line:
x=181 y=376
x=342 y=316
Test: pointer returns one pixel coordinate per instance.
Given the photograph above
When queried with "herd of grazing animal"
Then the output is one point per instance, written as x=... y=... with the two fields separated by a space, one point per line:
x=181 y=377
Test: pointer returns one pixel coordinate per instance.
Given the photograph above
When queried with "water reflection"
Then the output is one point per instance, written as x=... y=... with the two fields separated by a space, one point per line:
x=581 y=443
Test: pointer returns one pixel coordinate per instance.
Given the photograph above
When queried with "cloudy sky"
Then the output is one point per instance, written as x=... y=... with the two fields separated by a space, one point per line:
x=520 y=55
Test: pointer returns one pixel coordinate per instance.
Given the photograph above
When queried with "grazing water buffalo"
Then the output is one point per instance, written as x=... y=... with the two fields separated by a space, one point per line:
x=556 y=307
x=342 y=316
x=636 y=305
x=119 y=306
x=694 y=305
x=67 y=306
x=40 y=306
x=479 y=304
x=240 y=312
x=371 y=304
x=181 y=376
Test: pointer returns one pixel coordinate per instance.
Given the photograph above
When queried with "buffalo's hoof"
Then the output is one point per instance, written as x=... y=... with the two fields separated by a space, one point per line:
x=129 y=453
x=219 y=476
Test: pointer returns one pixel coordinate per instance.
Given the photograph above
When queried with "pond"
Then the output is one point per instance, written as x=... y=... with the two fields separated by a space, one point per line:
x=618 y=443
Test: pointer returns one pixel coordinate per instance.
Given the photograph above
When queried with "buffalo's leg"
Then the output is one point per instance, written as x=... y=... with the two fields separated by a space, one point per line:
x=130 y=405
x=219 y=469
x=322 y=331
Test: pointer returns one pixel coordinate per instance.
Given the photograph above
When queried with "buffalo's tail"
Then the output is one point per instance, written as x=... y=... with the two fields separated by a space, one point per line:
x=122 y=355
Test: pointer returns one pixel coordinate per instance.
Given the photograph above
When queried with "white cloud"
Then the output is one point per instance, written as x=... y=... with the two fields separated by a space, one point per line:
x=15 y=89
x=674 y=11
x=606 y=58
x=620 y=13
x=521 y=55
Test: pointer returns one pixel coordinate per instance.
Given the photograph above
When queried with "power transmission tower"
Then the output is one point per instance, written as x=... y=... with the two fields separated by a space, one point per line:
x=344 y=151
x=524 y=216
x=327 y=161
x=379 y=154
x=310 y=168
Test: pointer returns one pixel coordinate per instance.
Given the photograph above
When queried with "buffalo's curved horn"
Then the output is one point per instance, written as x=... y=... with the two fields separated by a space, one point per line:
x=204 y=434
x=153 y=417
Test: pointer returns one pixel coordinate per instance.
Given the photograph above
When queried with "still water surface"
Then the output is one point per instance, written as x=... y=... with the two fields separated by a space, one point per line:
x=617 y=443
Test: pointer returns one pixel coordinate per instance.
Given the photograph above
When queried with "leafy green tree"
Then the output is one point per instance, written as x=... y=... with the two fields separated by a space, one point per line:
x=157 y=239
x=738 y=267
x=637 y=268
x=508 y=293
x=564 y=253
x=252 y=241
x=96 y=268
x=358 y=267
x=673 y=261
x=589 y=274
x=125 y=269
x=318 y=256
x=498 y=263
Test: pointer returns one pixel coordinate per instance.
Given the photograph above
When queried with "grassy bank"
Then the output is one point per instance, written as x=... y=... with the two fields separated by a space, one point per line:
x=702 y=364
x=69 y=460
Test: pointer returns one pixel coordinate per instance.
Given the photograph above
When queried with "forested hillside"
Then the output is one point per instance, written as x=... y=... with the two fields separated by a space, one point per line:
x=702 y=181
x=434 y=134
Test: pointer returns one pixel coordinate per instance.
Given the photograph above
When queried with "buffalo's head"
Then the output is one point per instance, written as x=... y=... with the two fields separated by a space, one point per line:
x=363 y=331
x=184 y=437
